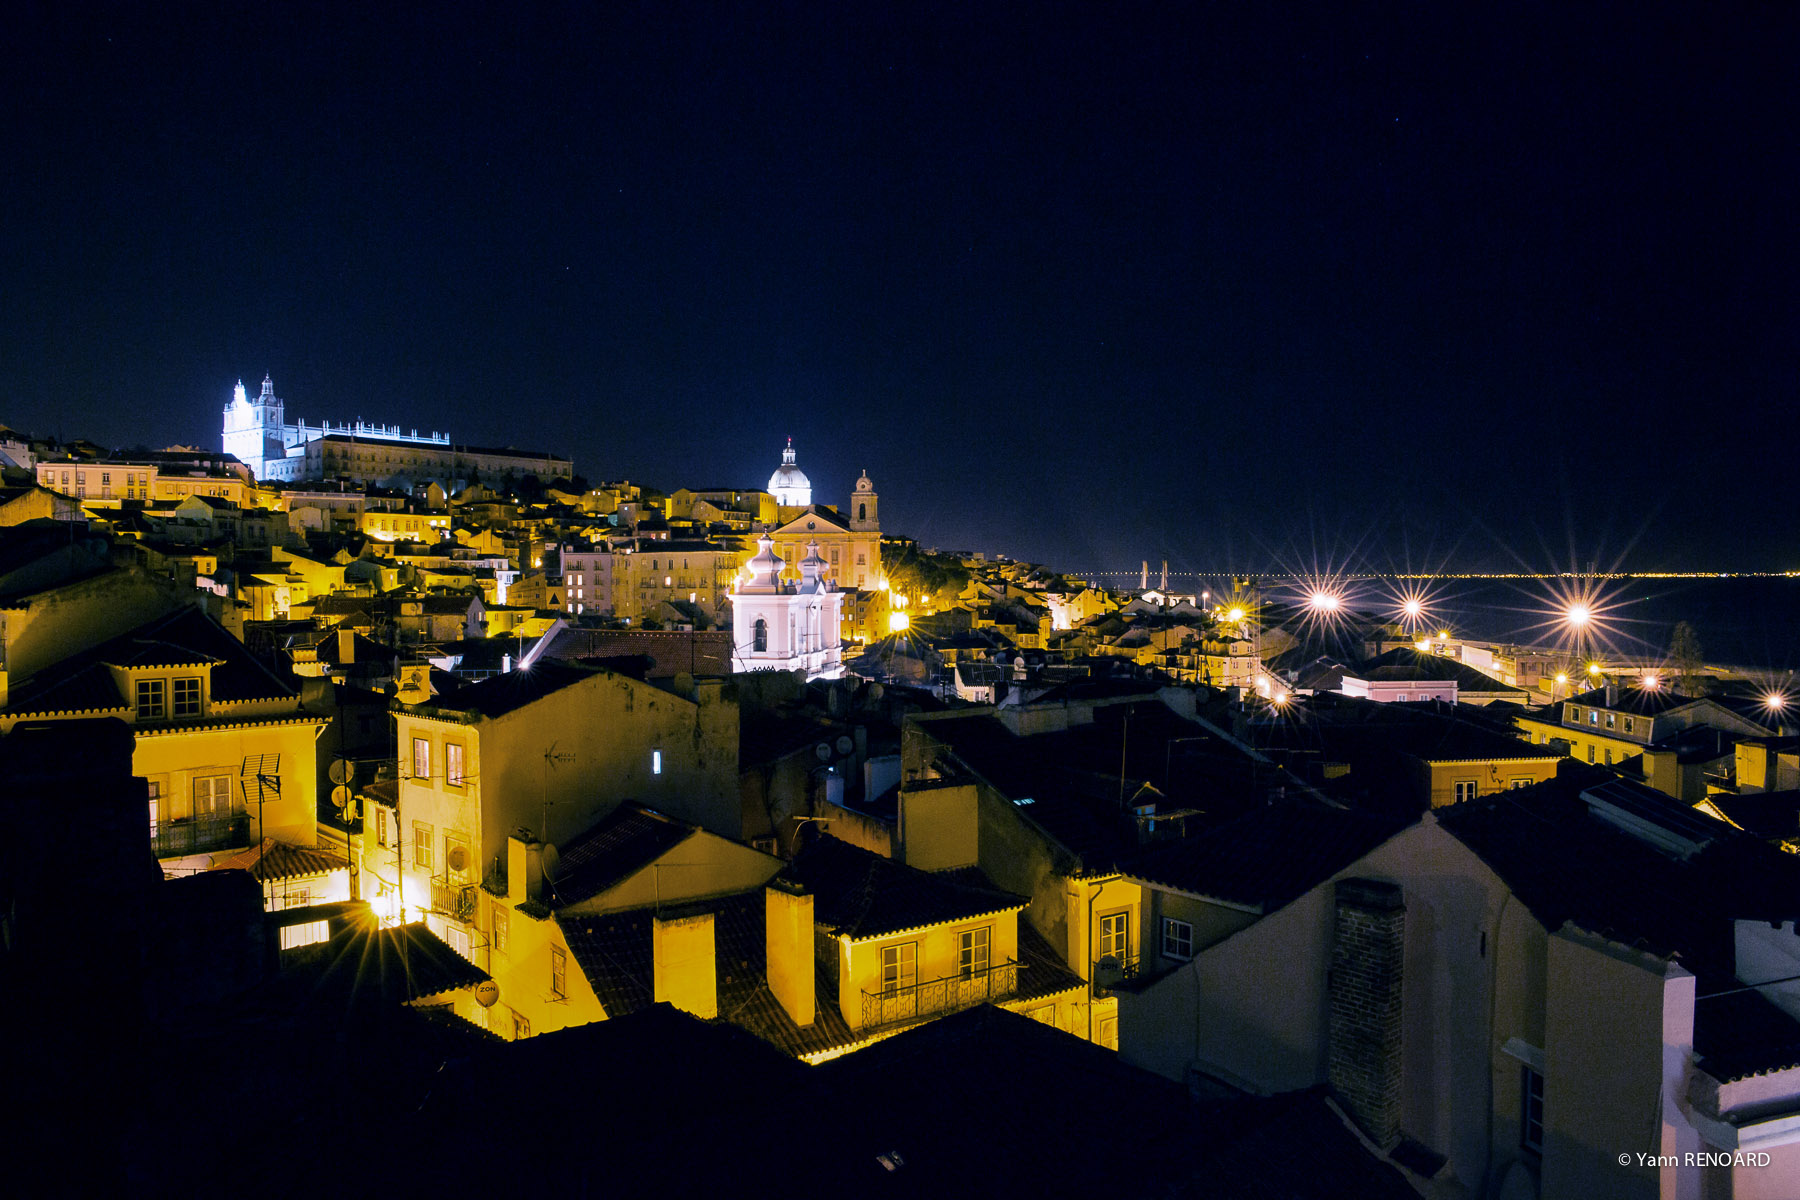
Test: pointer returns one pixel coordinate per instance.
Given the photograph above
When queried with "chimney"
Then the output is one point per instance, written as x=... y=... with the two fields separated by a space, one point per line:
x=788 y=929
x=1612 y=693
x=524 y=869
x=686 y=968
x=1367 y=956
x=346 y=645
x=1144 y=577
x=1163 y=584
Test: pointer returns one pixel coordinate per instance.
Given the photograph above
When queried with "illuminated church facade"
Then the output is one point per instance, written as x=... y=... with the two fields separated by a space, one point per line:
x=848 y=540
x=258 y=434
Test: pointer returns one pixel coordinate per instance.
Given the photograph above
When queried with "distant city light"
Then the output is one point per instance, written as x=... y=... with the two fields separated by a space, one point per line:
x=1234 y=614
x=898 y=621
x=1561 y=678
x=1443 y=635
x=1775 y=701
x=1579 y=615
x=1421 y=645
x=1413 y=608
x=1593 y=668
x=1324 y=601
x=1651 y=682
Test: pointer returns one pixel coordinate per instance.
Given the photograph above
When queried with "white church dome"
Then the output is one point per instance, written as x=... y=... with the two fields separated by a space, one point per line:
x=789 y=484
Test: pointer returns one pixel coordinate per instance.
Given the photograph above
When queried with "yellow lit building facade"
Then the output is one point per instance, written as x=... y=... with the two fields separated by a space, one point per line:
x=226 y=748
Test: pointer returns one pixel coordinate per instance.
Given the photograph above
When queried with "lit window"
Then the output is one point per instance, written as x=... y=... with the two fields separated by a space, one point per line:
x=656 y=762
x=155 y=804
x=421 y=845
x=150 y=698
x=974 y=951
x=453 y=764
x=186 y=697
x=1593 y=716
x=381 y=827
x=521 y=1026
x=559 y=972
x=1465 y=790
x=421 y=758
x=1177 y=939
x=212 y=795
x=1627 y=724
x=1115 y=936
x=899 y=967
x=501 y=930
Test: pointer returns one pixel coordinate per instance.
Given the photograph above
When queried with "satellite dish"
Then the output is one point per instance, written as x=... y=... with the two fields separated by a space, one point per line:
x=340 y=796
x=342 y=769
x=487 y=992
x=844 y=744
x=459 y=857
x=823 y=751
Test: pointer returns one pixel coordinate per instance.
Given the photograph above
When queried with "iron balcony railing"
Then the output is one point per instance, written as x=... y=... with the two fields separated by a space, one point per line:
x=197 y=835
x=454 y=900
x=888 y=1006
x=1114 y=968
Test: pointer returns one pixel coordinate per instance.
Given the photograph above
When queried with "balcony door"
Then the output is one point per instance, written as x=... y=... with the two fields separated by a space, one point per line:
x=1115 y=936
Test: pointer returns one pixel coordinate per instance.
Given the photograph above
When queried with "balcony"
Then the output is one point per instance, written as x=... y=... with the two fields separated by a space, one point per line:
x=1112 y=969
x=198 y=835
x=454 y=900
x=939 y=995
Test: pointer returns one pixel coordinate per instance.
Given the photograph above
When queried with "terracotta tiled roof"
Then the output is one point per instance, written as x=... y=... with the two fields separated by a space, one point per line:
x=273 y=861
x=401 y=964
x=614 y=953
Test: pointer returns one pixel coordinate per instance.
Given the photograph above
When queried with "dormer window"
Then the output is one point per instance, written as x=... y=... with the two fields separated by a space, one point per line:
x=151 y=699
x=185 y=696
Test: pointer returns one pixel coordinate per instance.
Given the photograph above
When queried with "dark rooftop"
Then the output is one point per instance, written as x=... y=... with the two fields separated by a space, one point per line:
x=185 y=636
x=622 y=844
x=1269 y=855
x=502 y=694
x=862 y=895
x=1669 y=895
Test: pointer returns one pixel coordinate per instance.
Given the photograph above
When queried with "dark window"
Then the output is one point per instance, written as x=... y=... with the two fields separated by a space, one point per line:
x=1531 y=1110
x=760 y=635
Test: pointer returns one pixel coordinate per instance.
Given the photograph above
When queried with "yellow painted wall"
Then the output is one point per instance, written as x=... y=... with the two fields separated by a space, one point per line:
x=174 y=756
x=702 y=866
x=1490 y=776
x=938 y=826
x=938 y=957
x=64 y=621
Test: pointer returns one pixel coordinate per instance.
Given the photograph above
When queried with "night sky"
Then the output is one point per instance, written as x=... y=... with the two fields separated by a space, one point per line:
x=1232 y=286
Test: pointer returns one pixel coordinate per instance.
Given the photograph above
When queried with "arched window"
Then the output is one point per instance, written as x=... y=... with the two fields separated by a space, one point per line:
x=760 y=635
x=862 y=512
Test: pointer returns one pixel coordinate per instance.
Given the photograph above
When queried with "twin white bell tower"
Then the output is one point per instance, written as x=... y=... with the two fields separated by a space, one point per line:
x=780 y=626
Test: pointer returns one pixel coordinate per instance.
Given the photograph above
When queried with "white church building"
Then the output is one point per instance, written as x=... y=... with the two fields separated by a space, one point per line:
x=779 y=626
x=258 y=434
